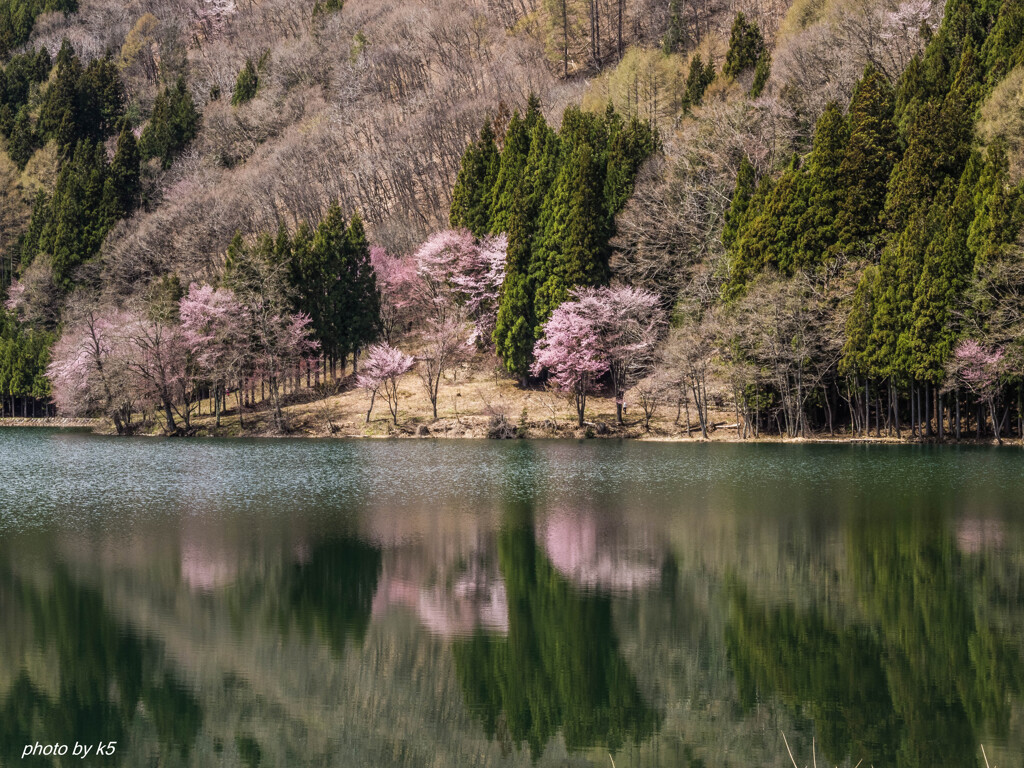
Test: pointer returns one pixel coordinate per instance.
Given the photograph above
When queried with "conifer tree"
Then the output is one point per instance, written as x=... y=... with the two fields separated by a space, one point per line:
x=628 y=148
x=472 y=196
x=762 y=71
x=868 y=162
x=701 y=75
x=735 y=216
x=124 y=174
x=246 y=84
x=514 y=334
x=945 y=273
x=173 y=124
x=23 y=141
x=361 y=305
x=570 y=248
x=511 y=169
x=745 y=47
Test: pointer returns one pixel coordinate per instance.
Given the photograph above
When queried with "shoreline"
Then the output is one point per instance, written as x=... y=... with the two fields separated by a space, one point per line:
x=442 y=430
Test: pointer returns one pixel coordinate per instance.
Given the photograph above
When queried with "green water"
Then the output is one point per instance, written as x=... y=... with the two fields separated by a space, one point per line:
x=417 y=603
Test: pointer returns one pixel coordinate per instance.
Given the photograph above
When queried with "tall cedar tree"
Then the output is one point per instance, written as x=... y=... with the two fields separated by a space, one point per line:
x=870 y=157
x=124 y=177
x=174 y=123
x=697 y=81
x=746 y=45
x=571 y=245
x=514 y=334
x=474 y=189
x=246 y=84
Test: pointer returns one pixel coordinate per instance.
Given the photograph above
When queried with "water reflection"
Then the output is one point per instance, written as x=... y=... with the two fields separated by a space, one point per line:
x=92 y=677
x=559 y=668
x=921 y=671
x=670 y=605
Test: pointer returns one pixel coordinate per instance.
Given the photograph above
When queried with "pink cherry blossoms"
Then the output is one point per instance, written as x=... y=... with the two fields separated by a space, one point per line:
x=382 y=368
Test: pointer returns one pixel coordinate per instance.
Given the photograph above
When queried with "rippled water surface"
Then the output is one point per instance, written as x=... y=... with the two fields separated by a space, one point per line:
x=418 y=603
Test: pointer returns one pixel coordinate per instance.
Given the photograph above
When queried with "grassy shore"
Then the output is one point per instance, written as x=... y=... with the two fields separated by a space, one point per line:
x=474 y=403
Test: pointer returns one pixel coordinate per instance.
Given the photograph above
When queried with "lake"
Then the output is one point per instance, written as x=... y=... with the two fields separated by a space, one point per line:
x=546 y=603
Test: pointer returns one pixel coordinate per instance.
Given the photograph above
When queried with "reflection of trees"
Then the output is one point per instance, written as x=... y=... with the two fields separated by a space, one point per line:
x=104 y=674
x=914 y=684
x=559 y=666
x=333 y=591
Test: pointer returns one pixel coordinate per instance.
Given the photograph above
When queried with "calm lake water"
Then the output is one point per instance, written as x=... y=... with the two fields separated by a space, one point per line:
x=417 y=603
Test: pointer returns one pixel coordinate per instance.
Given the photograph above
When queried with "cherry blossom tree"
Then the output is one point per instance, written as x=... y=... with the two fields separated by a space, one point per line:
x=278 y=340
x=214 y=329
x=157 y=356
x=478 y=280
x=628 y=323
x=979 y=368
x=87 y=369
x=382 y=368
x=445 y=343
x=571 y=353
x=399 y=286
x=458 y=272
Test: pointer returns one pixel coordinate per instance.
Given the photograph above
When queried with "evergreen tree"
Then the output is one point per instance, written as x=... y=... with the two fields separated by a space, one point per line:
x=697 y=81
x=471 y=198
x=869 y=159
x=124 y=174
x=511 y=169
x=939 y=143
x=23 y=141
x=361 y=308
x=945 y=273
x=246 y=84
x=172 y=126
x=629 y=147
x=735 y=216
x=515 y=331
x=745 y=47
x=761 y=73
x=571 y=246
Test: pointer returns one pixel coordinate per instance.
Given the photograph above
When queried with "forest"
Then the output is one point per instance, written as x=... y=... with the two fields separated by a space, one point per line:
x=774 y=219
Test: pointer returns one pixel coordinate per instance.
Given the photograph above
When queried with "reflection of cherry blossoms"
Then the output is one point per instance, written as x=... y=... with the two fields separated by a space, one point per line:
x=205 y=564
x=471 y=600
x=975 y=535
x=594 y=556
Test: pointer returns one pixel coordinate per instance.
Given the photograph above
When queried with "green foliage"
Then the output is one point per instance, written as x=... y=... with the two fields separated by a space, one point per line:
x=70 y=226
x=17 y=79
x=123 y=177
x=17 y=18
x=791 y=225
x=475 y=186
x=81 y=104
x=24 y=355
x=735 y=216
x=246 y=84
x=869 y=159
x=700 y=77
x=761 y=73
x=514 y=333
x=22 y=141
x=332 y=280
x=174 y=123
x=746 y=46
x=557 y=206
x=327 y=6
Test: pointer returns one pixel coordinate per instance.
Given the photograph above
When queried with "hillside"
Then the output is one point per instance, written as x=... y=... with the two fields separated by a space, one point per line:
x=803 y=217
